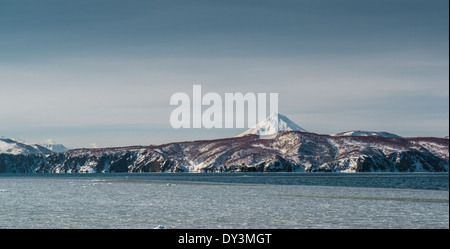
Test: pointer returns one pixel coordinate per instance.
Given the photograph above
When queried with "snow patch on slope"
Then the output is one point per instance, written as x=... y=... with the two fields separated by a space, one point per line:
x=365 y=134
x=14 y=147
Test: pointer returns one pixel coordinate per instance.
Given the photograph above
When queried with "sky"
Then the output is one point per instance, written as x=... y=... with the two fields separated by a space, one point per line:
x=100 y=73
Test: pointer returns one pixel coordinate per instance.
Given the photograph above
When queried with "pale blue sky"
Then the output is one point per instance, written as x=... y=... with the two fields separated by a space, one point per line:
x=102 y=71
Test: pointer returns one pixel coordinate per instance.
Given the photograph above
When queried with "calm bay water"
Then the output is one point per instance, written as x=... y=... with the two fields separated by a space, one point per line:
x=228 y=200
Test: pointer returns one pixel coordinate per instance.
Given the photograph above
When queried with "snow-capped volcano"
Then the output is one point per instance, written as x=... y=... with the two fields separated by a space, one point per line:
x=272 y=125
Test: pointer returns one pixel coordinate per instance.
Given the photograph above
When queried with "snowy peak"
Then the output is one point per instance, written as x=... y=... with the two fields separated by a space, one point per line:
x=58 y=148
x=272 y=125
x=365 y=134
x=14 y=147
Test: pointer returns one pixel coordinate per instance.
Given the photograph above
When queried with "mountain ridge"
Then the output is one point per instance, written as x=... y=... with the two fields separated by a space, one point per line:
x=289 y=151
x=360 y=133
x=15 y=147
x=291 y=148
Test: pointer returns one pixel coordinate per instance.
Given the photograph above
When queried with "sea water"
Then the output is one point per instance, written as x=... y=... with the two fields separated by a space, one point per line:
x=225 y=200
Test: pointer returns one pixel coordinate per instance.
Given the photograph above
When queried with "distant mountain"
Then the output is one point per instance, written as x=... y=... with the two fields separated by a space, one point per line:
x=14 y=147
x=291 y=148
x=55 y=147
x=366 y=134
x=271 y=125
x=288 y=151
